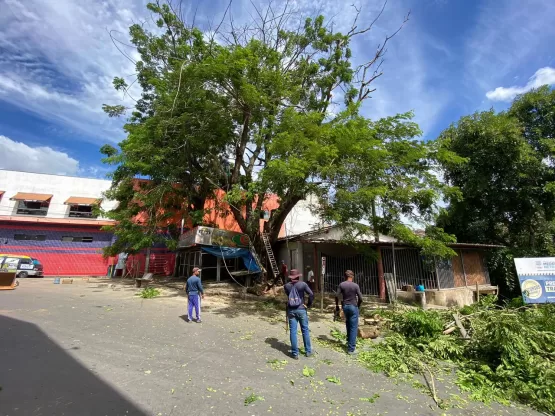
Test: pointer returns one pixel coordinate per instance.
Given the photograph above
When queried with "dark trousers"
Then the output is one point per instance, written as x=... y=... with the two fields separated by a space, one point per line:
x=351 y=321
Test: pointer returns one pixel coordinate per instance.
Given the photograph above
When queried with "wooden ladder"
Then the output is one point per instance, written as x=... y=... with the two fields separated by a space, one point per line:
x=270 y=253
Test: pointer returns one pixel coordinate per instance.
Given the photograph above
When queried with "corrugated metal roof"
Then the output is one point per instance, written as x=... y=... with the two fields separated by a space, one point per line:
x=388 y=243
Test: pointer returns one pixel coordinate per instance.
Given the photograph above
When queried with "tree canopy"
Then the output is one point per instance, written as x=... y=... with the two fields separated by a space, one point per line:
x=254 y=110
x=507 y=182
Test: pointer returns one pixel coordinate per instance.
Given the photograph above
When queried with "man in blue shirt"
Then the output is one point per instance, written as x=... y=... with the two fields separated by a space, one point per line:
x=195 y=292
x=298 y=314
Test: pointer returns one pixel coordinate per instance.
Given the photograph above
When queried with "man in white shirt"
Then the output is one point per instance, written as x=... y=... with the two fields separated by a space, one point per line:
x=310 y=278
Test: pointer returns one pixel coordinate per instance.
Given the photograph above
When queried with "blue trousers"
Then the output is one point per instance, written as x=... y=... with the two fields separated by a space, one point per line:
x=299 y=316
x=194 y=302
x=351 y=321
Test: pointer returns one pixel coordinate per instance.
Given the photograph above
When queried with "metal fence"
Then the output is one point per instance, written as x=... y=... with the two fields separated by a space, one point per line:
x=411 y=268
x=365 y=270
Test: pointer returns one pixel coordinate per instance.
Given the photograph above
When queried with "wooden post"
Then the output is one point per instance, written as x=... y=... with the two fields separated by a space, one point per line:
x=322 y=273
x=147 y=260
x=477 y=292
x=218 y=268
x=381 y=279
x=462 y=264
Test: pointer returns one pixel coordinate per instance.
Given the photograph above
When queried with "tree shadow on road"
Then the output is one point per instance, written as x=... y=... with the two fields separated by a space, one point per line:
x=40 y=377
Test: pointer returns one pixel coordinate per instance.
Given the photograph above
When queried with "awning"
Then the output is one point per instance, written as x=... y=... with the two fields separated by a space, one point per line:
x=23 y=196
x=79 y=200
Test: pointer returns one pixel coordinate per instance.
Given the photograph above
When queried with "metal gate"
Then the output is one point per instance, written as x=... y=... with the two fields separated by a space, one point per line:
x=364 y=268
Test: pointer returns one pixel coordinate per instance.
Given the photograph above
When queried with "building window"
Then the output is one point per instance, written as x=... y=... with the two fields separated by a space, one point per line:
x=82 y=211
x=36 y=208
x=68 y=239
x=28 y=237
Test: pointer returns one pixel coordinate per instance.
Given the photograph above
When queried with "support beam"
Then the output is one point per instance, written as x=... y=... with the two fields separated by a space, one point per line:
x=218 y=268
x=381 y=279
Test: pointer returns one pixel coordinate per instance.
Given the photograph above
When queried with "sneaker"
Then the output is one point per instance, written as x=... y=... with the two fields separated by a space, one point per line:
x=352 y=353
x=310 y=354
x=198 y=321
x=295 y=357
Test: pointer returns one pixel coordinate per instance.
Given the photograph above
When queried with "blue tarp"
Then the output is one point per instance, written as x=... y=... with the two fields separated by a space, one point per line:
x=233 y=253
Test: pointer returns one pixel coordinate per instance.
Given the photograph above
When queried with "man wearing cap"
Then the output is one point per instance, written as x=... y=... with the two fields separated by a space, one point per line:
x=194 y=292
x=298 y=314
x=352 y=299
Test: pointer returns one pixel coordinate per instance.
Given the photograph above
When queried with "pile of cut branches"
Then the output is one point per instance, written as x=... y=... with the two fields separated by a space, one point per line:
x=498 y=353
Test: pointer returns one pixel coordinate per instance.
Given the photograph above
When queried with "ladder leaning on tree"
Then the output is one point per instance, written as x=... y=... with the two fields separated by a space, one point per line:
x=270 y=254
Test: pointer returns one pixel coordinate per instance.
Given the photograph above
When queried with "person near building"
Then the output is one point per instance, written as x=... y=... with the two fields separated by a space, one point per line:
x=310 y=278
x=283 y=272
x=297 y=312
x=195 y=292
x=351 y=301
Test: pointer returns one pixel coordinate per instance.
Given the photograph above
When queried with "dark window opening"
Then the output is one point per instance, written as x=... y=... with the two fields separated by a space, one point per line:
x=68 y=239
x=32 y=208
x=81 y=211
x=28 y=237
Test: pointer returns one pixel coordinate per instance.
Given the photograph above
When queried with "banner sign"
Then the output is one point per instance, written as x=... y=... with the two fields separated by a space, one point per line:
x=208 y=236
x=537 y=279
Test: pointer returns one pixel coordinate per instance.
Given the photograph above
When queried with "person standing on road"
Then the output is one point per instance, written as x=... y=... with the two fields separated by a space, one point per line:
x=296 y=312
x=352 y=299
x=195 y=292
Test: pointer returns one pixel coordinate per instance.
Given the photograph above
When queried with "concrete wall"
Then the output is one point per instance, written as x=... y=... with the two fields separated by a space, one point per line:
x=445 y=297
x=301 y=219
x=62 y=187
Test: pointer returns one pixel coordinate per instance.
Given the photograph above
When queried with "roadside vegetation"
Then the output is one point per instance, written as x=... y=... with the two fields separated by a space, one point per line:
x=507 y=354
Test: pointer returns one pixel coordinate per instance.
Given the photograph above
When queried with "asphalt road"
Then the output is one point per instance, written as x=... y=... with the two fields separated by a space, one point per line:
x=92 y=349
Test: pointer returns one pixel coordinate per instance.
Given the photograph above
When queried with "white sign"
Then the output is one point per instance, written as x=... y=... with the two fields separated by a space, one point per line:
x=537 y=279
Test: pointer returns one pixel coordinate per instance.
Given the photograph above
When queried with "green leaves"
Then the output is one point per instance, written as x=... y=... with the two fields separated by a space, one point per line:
x=499 y=165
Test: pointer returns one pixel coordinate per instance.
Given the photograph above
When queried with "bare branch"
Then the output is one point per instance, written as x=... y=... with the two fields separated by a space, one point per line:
x=354 y=32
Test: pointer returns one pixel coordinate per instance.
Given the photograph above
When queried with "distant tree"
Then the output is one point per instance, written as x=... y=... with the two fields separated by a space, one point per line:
x=507 y=183
x=252 y=110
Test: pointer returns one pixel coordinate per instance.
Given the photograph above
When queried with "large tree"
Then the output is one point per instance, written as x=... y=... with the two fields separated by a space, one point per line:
x=252 y=110
x=507 y=183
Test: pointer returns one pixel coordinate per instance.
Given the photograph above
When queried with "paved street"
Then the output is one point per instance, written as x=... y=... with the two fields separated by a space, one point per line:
x=93 y=349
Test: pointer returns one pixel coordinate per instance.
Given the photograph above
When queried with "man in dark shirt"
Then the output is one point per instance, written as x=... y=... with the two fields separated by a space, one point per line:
x=298 y=314
x=352 y=298
x=195 y=292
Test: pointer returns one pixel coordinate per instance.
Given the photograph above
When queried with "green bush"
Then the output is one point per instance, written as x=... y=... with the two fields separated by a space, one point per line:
x=418 y=324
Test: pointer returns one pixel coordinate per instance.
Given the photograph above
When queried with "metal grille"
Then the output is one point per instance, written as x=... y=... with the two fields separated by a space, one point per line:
x=411 y=268
x=365 y=270
x=445 y=273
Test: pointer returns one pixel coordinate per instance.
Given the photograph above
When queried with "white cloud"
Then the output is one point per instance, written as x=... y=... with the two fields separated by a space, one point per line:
x=57 y=61
x=506 y=40
x=42 y=159
x=543 y=76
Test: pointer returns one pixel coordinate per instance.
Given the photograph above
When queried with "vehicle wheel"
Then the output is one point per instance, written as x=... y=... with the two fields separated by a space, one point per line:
x=22 y=275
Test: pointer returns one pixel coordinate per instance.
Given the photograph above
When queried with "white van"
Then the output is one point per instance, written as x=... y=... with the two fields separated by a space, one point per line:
x=25 y=265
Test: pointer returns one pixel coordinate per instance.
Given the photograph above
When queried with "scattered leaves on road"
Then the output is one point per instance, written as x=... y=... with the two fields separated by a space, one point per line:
x=308 y=372
x=252 y=398
x=333 y=379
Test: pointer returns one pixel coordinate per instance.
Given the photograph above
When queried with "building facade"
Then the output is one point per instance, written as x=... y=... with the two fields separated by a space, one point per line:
x=52 y=218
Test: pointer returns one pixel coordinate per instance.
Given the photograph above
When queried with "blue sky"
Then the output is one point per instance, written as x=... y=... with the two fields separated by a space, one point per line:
x=452 y=58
